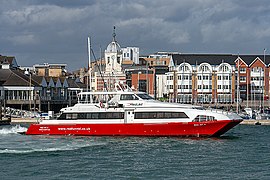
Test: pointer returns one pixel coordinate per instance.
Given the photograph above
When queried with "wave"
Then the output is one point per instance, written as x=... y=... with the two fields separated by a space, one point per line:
x=25 y=151
x=12 y=129
x=67 y=147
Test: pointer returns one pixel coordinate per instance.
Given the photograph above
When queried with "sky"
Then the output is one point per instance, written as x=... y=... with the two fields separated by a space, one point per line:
x=56 y=31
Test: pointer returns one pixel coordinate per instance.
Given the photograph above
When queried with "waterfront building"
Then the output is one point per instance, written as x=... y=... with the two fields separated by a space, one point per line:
x=216 y=78
x=18 y=90
x=50 y=70
x=113 y=73
x=131 y=53
x=26 y=91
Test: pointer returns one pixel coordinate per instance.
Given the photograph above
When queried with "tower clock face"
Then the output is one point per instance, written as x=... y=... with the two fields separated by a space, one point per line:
x=113 y=57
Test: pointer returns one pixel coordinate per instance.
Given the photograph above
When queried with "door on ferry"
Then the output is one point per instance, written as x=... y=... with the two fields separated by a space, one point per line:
x=129 y=116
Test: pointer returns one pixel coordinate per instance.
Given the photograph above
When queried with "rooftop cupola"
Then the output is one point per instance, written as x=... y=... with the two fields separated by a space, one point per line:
x=113 y=46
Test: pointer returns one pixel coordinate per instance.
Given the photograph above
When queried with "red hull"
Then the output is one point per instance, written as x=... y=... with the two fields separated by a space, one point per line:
x=198 y=129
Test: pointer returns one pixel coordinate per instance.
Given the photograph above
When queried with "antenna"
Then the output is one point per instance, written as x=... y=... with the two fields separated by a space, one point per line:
x=114 y=34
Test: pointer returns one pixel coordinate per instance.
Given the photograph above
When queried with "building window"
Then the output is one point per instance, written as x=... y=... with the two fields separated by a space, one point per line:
x=242 y=70
x=205 y=77
x=204 y=68
x=205 y=86
x=184 y=68
x=242 y=87
x=224 y=68
x=169 y=77
x=257 y=78
x=169 y=86
x=257 y=69
x=243 y=78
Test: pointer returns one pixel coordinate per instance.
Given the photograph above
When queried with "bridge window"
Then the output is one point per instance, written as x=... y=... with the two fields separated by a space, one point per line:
x=202 y=118
x=145 y=96
x=128 y=97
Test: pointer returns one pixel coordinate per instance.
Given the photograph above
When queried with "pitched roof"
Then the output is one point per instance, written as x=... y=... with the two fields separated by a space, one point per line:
x=216 y=59
x=38 y=79
x=73 y=84
x=17 y=78
x=6 y=59
x=4 y=75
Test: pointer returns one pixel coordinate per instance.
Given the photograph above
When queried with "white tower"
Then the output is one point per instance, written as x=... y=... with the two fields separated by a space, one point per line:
x=113 y=56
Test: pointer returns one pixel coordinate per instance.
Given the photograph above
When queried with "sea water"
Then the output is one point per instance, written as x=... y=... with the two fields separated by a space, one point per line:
x=242 y=153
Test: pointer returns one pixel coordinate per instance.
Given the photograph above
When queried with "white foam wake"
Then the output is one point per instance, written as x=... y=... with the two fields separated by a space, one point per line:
x=66 y=147
x=12 y=129
x=24 y=151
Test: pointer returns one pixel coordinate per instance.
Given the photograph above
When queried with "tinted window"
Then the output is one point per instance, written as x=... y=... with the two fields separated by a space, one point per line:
x=145 y=96
x=159 y=115
x=128 y=97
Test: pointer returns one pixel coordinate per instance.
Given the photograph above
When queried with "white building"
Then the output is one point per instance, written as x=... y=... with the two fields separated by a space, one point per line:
x=113 y=56
x=113 y=67
x=131 y=53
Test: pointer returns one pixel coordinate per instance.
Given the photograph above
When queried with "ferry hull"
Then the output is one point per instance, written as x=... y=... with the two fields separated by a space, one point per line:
x=197 y=129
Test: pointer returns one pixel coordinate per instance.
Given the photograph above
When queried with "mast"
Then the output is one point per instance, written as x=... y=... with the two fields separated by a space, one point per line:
x=196 y=83
x=260 y=90
x=202 y=99
x=89 y=64
x=238 y=78
x=222 y=72
x=264 y=75
x=182 y=82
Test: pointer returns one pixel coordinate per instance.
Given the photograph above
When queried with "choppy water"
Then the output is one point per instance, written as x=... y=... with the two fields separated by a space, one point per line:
x=243 y=153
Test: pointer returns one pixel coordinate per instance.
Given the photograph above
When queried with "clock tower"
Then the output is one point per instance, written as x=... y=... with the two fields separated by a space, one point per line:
x=113 y=56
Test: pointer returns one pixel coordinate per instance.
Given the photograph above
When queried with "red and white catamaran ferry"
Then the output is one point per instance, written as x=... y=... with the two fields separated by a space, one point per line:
x=127 y=113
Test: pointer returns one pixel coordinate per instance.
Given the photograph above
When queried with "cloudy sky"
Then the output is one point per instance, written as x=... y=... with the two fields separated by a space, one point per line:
x=55 y=31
